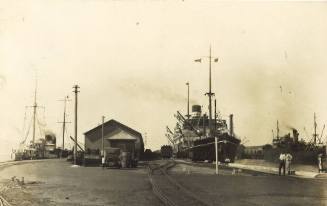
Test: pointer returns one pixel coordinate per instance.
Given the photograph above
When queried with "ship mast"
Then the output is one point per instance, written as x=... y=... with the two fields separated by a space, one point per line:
x=210 y=94
x=188 y=100
x=277 y=130
x=35 y=107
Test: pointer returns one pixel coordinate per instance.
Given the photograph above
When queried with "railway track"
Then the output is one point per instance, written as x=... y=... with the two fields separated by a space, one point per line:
x=167 y=189
x=4 y=202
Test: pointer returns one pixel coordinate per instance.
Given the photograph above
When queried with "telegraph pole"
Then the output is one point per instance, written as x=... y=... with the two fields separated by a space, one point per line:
x=102 y=135
x=75 y=87
x=215 y=115
x=216 y=151
x=64 y=122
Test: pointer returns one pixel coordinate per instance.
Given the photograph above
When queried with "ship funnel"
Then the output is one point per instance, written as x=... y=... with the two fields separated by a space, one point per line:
x=295 y=135
x=196 y=110
x=231 y=125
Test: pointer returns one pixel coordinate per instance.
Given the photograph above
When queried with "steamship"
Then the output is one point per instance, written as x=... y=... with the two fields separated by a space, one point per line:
x=192 y=137
x=195 y=134
x=304 y=152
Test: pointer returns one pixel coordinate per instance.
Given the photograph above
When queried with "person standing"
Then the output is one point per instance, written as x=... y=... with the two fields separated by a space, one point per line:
x=282 y=158
x=320 y=162
x=288 y=159
x=103 y=161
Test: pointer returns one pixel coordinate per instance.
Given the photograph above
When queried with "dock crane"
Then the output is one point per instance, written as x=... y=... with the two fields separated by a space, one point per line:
x=182 y=120
x=170 y=140
x=169 y=137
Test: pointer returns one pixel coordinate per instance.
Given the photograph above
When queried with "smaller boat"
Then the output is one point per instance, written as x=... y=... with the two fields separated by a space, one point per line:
x=42 y=148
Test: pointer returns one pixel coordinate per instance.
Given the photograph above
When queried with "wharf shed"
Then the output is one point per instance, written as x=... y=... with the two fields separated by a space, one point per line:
x=253 y=152
x=115 y=135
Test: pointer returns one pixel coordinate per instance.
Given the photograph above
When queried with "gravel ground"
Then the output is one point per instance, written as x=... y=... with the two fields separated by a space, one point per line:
x=55 y=182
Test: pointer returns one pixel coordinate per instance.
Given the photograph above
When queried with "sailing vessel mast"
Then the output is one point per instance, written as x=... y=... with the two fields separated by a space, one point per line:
x=34 y=113
x=35 y=107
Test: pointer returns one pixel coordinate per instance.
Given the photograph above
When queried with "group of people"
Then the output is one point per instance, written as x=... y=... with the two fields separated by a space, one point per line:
x=285 y=163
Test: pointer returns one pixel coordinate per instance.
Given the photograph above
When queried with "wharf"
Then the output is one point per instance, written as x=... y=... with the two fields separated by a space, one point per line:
x=301 y=171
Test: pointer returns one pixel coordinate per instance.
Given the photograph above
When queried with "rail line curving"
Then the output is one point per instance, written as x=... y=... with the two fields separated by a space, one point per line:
x=167 y=189
x=4 y=202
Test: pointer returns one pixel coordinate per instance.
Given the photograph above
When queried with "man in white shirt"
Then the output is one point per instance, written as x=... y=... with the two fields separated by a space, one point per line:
x=282 y=158
x=288 y=159
x=103 y=161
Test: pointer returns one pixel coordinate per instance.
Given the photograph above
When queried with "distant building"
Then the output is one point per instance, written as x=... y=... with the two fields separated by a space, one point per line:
x=253 y=152
x=116 y=135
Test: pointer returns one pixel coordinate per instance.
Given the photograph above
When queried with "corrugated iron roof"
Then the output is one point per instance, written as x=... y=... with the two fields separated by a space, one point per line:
x=116 y=123
x=116 y=135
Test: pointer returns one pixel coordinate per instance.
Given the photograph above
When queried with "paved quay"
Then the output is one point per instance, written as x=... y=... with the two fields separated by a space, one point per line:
x=248 y=187
x=301 y=171
x=56 y=182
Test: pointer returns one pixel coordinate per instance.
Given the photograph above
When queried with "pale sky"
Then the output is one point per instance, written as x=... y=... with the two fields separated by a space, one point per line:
x=133 y=58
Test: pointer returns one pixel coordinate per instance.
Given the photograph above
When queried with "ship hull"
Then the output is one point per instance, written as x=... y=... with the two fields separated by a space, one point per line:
x=204 y=149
